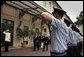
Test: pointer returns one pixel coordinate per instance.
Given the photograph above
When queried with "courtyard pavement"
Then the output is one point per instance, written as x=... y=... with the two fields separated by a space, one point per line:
x=26 y=51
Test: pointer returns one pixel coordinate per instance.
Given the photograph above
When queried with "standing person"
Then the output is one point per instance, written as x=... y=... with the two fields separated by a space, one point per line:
x=79 y=42
x=69 y=39
x=59 y=32
x=73 y=40
x=46 y=42
x=79 y=39
x=7 y=39
x=39 y=38
x=42 y=42
x=36 y=43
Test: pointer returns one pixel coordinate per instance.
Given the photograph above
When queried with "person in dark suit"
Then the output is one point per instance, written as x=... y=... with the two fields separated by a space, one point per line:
x=38 y=42
x=46 y=42
x=36 y=45
x=42 y=41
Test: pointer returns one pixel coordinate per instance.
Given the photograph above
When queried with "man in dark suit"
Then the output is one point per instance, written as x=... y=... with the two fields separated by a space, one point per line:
x=46 y=42
x=36 y=44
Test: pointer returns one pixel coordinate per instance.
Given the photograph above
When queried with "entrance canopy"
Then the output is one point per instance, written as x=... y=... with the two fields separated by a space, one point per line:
x=27 y=6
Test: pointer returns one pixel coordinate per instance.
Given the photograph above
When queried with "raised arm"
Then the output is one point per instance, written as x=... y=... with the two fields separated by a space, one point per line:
x=46 y=16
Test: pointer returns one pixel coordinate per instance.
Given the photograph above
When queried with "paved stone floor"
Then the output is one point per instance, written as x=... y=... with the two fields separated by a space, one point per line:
x=28 y=51
x=25 y=52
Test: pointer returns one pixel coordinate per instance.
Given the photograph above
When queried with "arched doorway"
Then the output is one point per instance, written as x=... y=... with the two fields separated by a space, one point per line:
x=7 y=24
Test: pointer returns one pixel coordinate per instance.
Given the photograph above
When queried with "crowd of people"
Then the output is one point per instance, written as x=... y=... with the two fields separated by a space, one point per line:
x=41 y=42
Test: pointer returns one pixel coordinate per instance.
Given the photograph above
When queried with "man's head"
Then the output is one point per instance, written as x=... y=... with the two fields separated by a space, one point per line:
x=7 y=30
x=58 y=13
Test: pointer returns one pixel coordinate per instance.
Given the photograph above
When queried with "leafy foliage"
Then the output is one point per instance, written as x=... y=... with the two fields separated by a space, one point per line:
x=22 y=33
x=79 y=19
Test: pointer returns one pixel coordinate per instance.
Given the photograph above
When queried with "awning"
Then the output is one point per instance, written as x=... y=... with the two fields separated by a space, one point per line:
x=28 y=6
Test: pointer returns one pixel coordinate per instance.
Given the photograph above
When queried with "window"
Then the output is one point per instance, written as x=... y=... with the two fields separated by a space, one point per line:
x=26 y=27
x=44 y=29
x=37 y=30
x=26 y=42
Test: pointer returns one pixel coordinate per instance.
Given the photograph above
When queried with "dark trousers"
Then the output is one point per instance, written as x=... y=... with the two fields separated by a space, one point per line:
x=73 y=51
x=45 y=47
x=6 y=46
x=79 y=47
x=36 y=46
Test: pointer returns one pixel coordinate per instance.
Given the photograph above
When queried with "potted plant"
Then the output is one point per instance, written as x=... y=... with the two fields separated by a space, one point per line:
x=22 y=33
